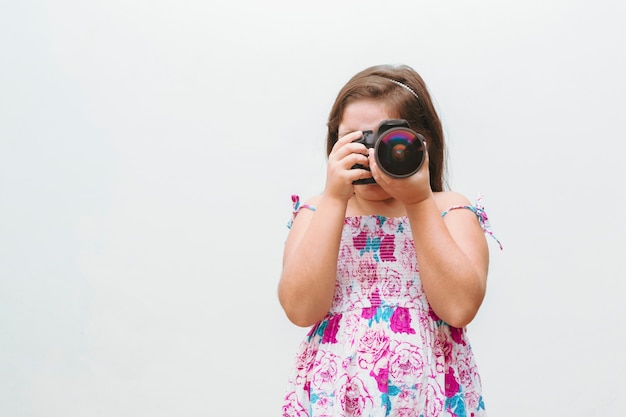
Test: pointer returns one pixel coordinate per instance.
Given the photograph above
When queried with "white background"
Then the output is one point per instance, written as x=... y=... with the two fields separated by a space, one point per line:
x=149 y=149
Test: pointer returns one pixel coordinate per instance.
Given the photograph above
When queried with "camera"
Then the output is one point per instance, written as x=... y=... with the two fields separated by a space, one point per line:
x=399 y=151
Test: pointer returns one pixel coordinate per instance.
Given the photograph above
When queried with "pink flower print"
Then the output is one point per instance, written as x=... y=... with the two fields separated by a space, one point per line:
x=338 y=296
x=332 y=326
x=387 y=248
x=368 y=312
x=407 y=412
x=440 y=364
x=367 y=242
x=452 y=386
x=401 y=321
x=405 y=396
x=304 y=362
x=465 y=376
x=367 y=272
x=414 y=291
x=374 y=298
x=350 y=326
x=407 y=255
x=405 y=362
x=372 y=347
x=447 y=349
x=472 y=401
x=346 y=362
x=354 y=397
x=457 y=335
x=292 y=407
x=382 y=379
x=345 y=254
x=353 y=222
x=434 y=404
x=324 y=371
x=360 y=240
x=391 y=285
x=323 y=403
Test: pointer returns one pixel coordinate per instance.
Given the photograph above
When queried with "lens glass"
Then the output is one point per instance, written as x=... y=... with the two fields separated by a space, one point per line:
x=400 y=152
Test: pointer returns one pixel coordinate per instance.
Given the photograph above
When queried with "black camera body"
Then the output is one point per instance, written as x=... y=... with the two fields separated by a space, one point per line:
x=399 y=151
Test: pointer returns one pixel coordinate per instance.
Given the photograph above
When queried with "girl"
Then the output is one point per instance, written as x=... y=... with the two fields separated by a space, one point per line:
x=387 y=275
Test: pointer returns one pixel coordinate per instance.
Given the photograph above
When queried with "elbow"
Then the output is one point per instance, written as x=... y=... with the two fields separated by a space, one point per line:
x=304 y=305
x=467 y=304
x=463 y=312
x=461 y=319
x=300 y=317
x=298 y=313
x=301 y=321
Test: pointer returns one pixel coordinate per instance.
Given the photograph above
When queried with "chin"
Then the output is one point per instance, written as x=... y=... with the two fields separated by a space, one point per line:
x=371 y=191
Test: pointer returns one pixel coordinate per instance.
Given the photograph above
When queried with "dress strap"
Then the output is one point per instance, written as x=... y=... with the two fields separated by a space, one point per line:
x=481 y=214
x=295 y=200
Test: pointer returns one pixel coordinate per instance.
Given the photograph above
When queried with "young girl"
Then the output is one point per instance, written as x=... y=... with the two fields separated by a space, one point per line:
x=388 y=274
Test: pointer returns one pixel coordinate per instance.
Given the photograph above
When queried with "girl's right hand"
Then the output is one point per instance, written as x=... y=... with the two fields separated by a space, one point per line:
x=339 y=173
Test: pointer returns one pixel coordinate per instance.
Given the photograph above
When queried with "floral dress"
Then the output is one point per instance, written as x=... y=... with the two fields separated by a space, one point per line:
x=381 y=350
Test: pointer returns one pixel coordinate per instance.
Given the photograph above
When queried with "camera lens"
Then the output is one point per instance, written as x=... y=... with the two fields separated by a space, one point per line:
x=400 y=152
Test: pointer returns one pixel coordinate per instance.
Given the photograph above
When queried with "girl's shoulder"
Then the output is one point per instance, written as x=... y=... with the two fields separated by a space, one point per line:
x=313 y=201
x=310 y=204
x=451 y=201
x=447 y=199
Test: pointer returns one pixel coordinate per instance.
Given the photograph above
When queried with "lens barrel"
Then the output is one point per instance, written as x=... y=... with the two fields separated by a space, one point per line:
x=400 y=152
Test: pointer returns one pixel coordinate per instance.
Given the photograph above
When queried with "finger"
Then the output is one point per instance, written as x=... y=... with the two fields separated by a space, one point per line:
x=352 y=159
x=360 y=174
x=341 y=150
x=348 y=138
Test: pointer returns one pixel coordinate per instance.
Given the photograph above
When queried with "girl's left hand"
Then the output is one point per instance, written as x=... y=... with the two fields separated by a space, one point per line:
x=409 y=190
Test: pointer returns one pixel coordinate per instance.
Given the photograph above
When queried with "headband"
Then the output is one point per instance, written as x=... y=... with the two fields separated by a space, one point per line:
x=406 y=87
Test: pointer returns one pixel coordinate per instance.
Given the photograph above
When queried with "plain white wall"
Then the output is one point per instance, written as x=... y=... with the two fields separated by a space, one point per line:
x=148 y=151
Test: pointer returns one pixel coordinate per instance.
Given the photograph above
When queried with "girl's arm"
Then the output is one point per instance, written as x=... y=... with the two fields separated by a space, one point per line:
x=453 y=256
x=307 y=282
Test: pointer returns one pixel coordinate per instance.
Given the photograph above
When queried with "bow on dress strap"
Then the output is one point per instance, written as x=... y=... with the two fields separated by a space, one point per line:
x=481 y=214
x=295 y=200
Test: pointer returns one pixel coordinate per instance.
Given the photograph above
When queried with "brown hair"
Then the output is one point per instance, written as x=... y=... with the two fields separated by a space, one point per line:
x=374 y=83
